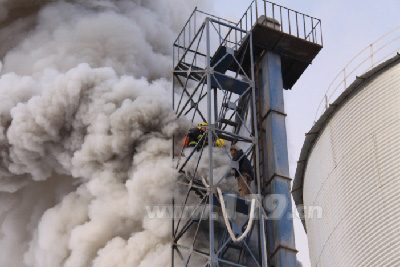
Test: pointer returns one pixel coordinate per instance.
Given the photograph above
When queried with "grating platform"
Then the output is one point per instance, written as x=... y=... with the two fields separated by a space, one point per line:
x=296 y=53
x=218 y=80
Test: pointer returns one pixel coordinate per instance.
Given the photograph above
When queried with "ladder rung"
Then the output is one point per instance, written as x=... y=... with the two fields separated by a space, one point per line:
x=227 y=137
x=231 y=123
x=232 y=106
x=234 y=246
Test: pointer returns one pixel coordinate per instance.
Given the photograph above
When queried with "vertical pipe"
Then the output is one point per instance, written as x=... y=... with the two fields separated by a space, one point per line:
x=326 y=102
x=241 y=33
x=280 y=12
x=312 y=30
x=194 y=32
x=173 y=98
x=215 y=105
x=265 y=12
x=251 y=15
x=246 y=20
x=255 y=1
x=173 y=234
x=273 y=14
x=371 y=51
x=219 y=33
x=297 y=26
x=173 y=153
x=173 y=80
x=228 y=38
x=173 y=217
x=236 y=40
x=280 y=232
x=288 y=17
x=304 y=24
x=264 y=261
x=320 y=29
x=315 y=33
x=213 y=262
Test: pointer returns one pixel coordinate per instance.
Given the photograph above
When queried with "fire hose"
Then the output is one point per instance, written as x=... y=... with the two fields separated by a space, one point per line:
x=226 y=220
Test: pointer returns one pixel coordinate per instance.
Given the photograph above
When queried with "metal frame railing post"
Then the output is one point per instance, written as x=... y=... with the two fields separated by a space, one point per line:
x=210 y=154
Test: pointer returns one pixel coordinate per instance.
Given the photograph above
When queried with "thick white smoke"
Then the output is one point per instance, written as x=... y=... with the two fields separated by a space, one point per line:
x=85 y=129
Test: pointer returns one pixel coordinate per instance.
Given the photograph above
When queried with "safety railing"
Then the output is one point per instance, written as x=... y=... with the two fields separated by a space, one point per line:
x=213 y=41
x=233 y=34
x=369 y=57
x=191 y=33
x=193 y=24
x=283 y=19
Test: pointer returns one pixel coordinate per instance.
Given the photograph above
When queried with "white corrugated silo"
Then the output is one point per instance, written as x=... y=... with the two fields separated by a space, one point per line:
x=350 y=167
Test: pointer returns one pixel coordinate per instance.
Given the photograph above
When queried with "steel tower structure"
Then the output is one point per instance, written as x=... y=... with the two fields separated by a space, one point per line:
x=232 y=76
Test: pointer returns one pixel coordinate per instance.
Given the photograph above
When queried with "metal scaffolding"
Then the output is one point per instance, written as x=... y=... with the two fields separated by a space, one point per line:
x=229 y=75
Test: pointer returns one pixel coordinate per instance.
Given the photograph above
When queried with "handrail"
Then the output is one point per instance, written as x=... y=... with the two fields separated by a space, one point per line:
x=191 y=30
x=288 y=20
x=184 y=27
x=215 y=17
x=314 y=28
x=201 y=12
x=348 y=74
x=275 y=16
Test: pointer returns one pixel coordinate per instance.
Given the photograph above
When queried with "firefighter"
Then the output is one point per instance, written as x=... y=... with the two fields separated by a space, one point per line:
x=244 y=175
x=195 y=135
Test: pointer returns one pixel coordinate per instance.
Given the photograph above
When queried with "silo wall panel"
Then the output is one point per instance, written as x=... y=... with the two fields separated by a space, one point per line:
x=353 y=174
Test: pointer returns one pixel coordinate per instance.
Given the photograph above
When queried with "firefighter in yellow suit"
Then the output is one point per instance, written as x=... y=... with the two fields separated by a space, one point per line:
x=195 y=135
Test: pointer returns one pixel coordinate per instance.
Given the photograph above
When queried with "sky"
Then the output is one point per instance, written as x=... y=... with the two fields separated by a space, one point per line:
x=348 y=27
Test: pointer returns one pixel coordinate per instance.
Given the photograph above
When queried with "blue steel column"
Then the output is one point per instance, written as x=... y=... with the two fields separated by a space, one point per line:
x=264 y=260
x=280 y=232
x=213 y=258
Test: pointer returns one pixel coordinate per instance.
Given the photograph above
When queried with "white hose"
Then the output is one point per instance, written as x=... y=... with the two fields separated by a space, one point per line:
x=227 y=224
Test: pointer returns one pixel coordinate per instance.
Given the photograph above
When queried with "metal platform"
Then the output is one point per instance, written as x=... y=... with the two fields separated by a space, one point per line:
x=296 y=53
x=218 y=80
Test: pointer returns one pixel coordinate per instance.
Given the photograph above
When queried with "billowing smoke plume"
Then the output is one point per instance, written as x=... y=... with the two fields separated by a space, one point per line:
x=85 y=129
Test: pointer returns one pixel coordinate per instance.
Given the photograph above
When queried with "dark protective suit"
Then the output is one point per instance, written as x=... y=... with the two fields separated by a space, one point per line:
x=244 y=164
x=194 y=135
x=245 y=174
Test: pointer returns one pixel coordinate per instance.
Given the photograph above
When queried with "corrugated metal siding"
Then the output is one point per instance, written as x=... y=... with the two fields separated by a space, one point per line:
x=353 y=173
